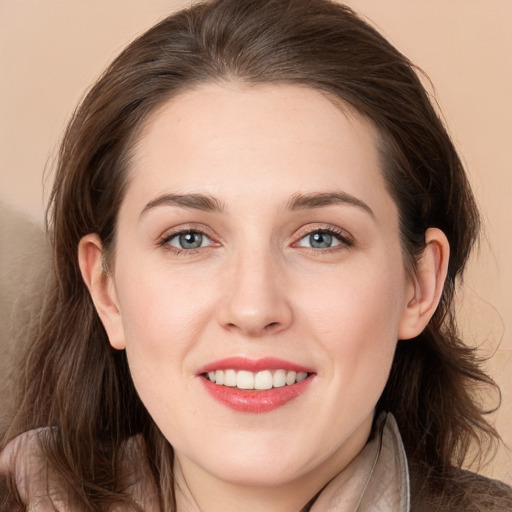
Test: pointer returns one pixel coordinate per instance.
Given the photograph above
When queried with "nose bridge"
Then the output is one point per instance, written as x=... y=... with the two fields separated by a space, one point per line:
x=255 y=297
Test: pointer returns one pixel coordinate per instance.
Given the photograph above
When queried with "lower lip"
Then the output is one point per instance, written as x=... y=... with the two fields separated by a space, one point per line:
x=255 y=401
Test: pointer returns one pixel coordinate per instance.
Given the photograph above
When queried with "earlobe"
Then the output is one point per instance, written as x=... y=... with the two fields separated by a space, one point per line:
x=426 y=286
x=101 y=288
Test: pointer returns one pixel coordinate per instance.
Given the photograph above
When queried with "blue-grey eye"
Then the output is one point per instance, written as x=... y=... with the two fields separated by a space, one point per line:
x=189 y=240
x=319 y=240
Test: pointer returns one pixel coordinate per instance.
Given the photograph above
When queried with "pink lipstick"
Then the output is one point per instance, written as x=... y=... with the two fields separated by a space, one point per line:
x=249 y=385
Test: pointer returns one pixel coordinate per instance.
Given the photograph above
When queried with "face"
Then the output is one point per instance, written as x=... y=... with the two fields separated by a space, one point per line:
x=258 y=247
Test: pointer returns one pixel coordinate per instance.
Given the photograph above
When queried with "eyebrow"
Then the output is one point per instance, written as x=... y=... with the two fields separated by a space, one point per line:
x=320 y=199
x=193 y=201
x=298 y=201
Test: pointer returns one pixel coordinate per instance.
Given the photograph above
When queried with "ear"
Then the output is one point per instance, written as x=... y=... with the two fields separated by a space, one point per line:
x=101 y=287
x=426 y=286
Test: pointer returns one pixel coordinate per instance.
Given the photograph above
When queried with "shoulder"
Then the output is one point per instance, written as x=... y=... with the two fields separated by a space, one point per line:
x=28 y=480
x=460 y=491
x=22 y=471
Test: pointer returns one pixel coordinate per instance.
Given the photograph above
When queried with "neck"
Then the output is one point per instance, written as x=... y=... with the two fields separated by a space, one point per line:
x=227 y=497
x=199 y=491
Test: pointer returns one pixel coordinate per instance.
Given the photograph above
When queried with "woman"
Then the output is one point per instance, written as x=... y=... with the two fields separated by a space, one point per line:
x=252 y=205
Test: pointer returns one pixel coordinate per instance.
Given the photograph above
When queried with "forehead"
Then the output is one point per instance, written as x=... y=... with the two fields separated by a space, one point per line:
x=235 y=141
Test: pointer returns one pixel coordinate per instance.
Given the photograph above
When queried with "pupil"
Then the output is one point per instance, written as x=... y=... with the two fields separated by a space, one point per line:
x=320 y=240
x=191 y=240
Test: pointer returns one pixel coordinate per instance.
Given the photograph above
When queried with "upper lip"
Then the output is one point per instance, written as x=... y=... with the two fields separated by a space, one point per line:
x=253 y=365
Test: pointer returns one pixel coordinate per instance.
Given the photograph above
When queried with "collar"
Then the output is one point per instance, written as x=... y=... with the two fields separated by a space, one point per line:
x=377 y=480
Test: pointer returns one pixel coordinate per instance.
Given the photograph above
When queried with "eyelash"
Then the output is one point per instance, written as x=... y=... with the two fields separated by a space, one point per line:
x=164 y=241
x=344 y=239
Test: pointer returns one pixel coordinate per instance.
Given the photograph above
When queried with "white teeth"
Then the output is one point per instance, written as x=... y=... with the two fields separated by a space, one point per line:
x=230 y=378
x=301 y=376
x=244 y=380
x=279 y=378
x=290 y=378
x=263 y=380
x=266 y=379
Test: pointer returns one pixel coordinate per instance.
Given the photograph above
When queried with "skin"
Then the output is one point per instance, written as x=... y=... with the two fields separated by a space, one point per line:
x=256 y=288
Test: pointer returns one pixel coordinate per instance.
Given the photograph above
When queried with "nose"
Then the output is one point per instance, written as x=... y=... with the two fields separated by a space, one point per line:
x=255 y=301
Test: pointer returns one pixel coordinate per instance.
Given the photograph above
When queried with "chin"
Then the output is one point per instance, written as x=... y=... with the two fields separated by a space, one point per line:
x=251 y=462
x=265 y=473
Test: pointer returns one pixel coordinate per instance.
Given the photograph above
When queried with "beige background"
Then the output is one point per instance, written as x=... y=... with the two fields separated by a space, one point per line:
x=51 y=50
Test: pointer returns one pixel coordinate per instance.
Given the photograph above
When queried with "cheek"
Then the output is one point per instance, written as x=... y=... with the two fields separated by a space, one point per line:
x=160 y=325
x=355 y=315
x=160 y=310
x=162 y=318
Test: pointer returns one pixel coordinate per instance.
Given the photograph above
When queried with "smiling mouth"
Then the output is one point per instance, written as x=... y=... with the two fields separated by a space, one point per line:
x=262 y=380
x=255 y=385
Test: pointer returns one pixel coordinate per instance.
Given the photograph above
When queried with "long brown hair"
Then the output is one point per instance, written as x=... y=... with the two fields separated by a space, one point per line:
x=72 y=380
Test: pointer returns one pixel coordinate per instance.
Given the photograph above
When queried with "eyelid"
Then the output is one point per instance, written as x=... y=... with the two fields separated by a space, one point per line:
x=169 y=234
x=345 y=238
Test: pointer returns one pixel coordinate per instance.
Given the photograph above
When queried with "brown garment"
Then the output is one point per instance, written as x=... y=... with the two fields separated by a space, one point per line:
x=462 y=491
